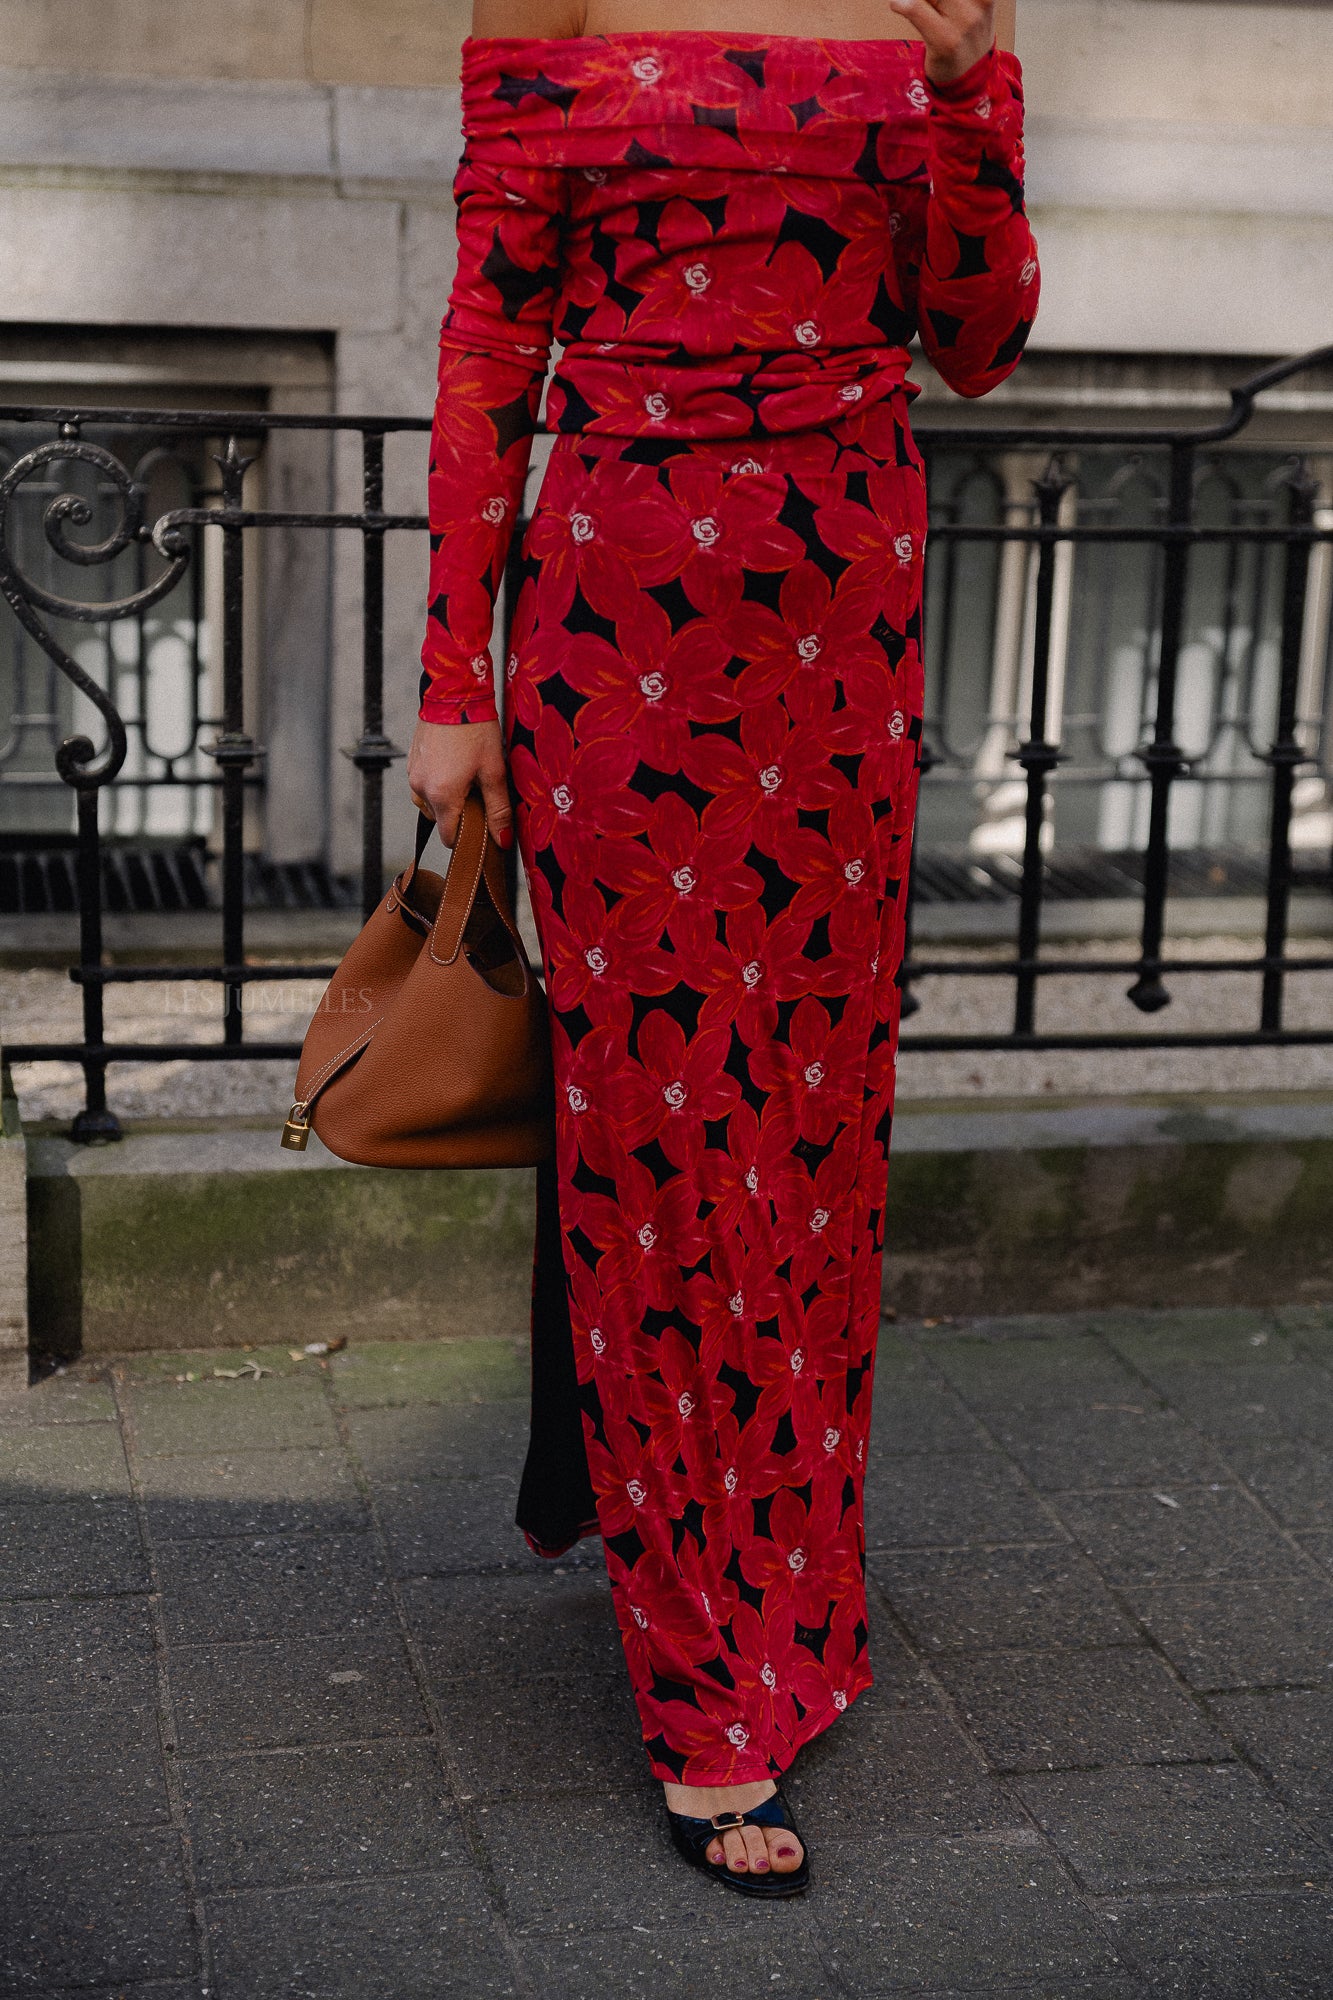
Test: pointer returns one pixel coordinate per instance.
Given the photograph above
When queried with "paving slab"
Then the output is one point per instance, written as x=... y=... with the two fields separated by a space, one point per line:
x=515 y=1625
x=373 y=1375
x=951 y=1500
x=1106 y=1444
x=1252 y=1400
x=959 y=1600
x=1233 y=1947
x=1205 y=1337
x=1318 y=1546
x=339 y=1687
x=84 y=1908
x=410 y=1937
x=1028 y=1752
x=524 y=1738
x=60 y=1461
x=440 y=1440
x=52 y=1547
x=1179 y=1534
x=1171 y=1827
x=574 y=1865
x=959 y=1914
x=900 y=1768
x=250 y=1493
x=272 y=1586
x=81 y=1771
x=445 y=1527
x=1035 y=1711
x=1292 y=1478
x=1288 y=1734
x=61 y=1654
x=921 y=1416
x=1310 y=1331
x=1127 y=1987
x=1019 y=1373
x=217 y=1416
x=744 y=1955
x=69 y=1396
x=306 y=1815
x=969 y=1330
x=1237 y=1635
x=151 y=1989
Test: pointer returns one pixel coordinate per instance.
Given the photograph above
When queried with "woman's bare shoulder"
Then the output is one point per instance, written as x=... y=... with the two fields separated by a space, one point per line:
x=537 y=20
x=557 y=19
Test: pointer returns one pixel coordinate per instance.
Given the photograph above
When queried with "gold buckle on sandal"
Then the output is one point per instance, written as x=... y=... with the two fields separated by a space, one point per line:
x=724 y=1822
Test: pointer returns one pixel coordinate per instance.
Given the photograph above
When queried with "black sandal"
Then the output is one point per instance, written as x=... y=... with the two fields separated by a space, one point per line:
x=693 y=1837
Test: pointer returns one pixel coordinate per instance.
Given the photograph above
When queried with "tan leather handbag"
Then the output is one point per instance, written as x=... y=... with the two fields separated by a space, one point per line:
x=431 y=1046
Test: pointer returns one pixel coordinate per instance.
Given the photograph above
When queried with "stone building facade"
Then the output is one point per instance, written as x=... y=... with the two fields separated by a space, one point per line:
x=209 y=202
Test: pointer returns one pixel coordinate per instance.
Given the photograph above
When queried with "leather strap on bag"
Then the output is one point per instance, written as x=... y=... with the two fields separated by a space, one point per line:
x=466 y=864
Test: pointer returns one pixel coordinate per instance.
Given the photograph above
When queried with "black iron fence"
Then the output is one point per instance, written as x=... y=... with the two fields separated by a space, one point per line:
x=146 y=463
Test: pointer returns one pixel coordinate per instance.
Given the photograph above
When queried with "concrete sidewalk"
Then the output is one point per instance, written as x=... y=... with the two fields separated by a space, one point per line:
x=287 y=1711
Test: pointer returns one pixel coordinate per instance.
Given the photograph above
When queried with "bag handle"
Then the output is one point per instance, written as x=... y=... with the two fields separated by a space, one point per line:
x=466 y=868
x=467 y=862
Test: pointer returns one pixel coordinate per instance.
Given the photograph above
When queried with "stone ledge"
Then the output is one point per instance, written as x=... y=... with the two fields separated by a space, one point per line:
x=1012 y=1208
x=1186 y=1202
x=228 y=1236
x=13 y=1244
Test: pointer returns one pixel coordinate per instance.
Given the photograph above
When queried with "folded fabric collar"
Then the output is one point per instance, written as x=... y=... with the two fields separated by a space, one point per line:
x=685 y=97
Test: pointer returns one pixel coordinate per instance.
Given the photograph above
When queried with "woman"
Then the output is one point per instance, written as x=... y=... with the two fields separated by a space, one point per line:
x=713 y=709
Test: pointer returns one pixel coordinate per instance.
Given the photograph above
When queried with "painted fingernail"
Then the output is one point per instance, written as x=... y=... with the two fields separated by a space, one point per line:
x=506 y=836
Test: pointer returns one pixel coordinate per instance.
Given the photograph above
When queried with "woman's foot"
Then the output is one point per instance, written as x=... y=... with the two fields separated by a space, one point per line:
x=746 y=1850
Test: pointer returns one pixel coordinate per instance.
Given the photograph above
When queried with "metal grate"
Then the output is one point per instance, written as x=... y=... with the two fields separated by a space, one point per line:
x=161 y=878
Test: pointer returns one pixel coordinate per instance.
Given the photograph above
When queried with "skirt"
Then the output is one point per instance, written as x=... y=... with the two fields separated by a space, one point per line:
x=713 y=711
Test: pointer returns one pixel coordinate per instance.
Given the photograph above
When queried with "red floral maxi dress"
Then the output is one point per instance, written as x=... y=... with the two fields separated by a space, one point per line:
x=713 y=710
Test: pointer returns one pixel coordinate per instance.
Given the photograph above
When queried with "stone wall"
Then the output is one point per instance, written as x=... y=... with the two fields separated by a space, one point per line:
x=282 y=167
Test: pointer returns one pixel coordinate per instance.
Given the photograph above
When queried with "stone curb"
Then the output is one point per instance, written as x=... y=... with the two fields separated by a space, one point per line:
x=13 y=1243
x=1002 y=1210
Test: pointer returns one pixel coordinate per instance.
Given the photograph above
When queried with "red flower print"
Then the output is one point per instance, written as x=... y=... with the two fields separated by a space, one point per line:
x=726 y=1303
x=590 y=950
x=786 y=1562
x=661 y=1619
x=574 y=793
x=680 y=879
x=645 y=1235
x=712 y=689
x=600 y=532
x=815 y=1220
x=815 y=1076
x=816 y=635
x=652 y=685
x=688 y=1082
x=765 y=1665
x=724 y=527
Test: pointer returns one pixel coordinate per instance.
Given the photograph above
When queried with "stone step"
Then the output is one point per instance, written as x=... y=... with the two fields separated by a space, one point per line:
x=218 y=1237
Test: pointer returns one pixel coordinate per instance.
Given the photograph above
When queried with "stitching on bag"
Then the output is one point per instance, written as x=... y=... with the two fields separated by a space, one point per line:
x=467 y=913
x=317 y=1079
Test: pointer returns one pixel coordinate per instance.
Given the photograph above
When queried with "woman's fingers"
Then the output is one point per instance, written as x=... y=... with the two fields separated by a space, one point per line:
x=957 y=33
x=445 y=761
x=495 y=798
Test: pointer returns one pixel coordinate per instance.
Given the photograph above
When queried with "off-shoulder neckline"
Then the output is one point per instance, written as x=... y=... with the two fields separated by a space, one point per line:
x=732 y=39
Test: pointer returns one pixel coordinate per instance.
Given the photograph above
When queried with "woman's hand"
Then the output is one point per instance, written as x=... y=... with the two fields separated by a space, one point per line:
x=957 y=33
x=445 y=761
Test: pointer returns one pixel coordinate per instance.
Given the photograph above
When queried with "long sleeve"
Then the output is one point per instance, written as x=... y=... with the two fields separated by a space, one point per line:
x=494 y=344
x=979 y=278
